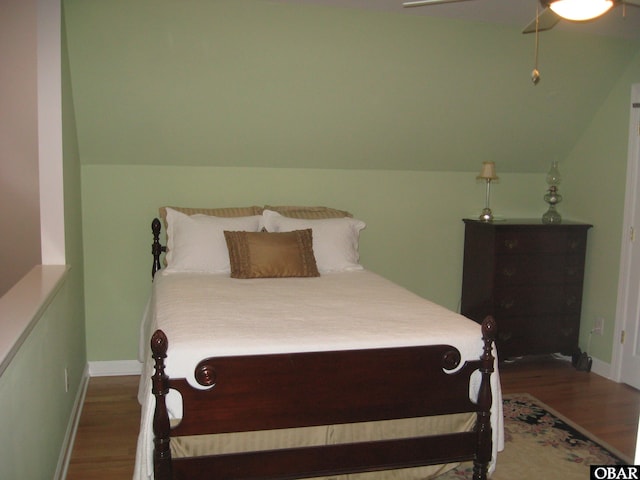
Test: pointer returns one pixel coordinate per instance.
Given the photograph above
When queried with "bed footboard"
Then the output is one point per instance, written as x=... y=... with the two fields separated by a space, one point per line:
x=263 y=392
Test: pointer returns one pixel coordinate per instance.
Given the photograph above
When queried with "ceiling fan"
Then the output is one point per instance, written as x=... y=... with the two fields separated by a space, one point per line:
x=553 y=10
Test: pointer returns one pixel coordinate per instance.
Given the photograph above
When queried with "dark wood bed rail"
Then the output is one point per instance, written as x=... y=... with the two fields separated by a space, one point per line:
x=305 y=389
x=156 y=247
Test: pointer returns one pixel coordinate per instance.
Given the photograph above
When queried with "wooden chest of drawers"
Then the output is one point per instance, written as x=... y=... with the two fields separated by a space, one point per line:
x=529 y=276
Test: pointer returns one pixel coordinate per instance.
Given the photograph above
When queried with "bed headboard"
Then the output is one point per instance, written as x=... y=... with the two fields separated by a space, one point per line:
x=156 y=247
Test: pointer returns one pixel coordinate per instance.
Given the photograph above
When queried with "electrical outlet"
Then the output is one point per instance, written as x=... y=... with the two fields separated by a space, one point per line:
x=598 y=326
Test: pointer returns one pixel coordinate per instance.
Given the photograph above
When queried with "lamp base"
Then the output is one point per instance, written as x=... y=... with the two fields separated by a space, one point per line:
x=552 y=197
x=487 y=215
x=551 y=216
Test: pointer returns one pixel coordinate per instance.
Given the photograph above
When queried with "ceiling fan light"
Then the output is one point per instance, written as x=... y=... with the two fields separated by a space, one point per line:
x=580 y=10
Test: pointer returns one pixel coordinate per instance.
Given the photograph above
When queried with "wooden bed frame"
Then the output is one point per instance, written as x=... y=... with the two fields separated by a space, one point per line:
x=265 y=392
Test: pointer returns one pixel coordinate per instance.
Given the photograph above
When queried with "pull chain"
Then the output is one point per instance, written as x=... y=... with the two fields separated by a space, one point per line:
x=535 y=74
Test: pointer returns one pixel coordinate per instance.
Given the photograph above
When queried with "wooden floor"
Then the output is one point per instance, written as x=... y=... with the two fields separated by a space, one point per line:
x=106 y=439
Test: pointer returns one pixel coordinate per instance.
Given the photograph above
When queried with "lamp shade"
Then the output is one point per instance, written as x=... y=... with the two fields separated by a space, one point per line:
x=488 y=171
x=579 y=10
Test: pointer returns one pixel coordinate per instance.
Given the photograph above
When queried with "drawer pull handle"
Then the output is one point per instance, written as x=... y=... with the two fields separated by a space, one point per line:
x=509 y=272
x=507 y=303
x=567 y=332
x=573 y=245
x=511 y=243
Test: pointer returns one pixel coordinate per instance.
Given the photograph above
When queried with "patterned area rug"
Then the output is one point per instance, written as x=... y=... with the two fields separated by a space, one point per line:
x=542 y=444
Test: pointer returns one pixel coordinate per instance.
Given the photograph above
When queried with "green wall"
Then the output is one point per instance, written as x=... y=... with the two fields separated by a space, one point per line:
x=36 y=408
x=73 y=232
x=414 y=231
x=598 y=167
x=389 y=116
x=264 y=84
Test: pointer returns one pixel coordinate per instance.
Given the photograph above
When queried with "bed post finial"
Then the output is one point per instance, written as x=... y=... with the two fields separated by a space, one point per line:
x=160 y=389
x=483 y=424
x=156 y=248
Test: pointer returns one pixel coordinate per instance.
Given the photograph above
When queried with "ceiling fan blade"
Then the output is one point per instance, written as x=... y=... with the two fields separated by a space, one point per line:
x=547 y=19
x=420 y=3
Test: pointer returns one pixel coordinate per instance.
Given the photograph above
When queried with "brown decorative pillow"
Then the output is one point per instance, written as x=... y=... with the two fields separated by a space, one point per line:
x=271 y=254
x=309 y=213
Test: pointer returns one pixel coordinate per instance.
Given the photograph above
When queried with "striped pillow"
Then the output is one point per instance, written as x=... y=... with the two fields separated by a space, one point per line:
x=308 y=213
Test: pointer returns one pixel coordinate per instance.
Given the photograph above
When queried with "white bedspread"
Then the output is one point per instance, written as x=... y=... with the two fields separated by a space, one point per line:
x=205 y=315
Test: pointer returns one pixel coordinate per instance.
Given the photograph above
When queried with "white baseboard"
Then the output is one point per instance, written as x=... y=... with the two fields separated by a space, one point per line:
x=601 y=368
x=72 y=428
x=115 y=367
x=597 y=366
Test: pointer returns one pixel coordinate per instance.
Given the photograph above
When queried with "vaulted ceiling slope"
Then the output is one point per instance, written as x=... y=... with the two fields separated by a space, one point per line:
x=269 y=84
x=622 y=21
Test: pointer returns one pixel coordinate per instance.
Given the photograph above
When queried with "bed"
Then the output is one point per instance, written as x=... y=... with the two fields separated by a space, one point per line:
x=312 y=367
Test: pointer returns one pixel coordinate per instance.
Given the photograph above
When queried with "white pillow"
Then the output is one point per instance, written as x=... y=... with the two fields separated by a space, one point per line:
x=195 y=243
x=335 y=240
